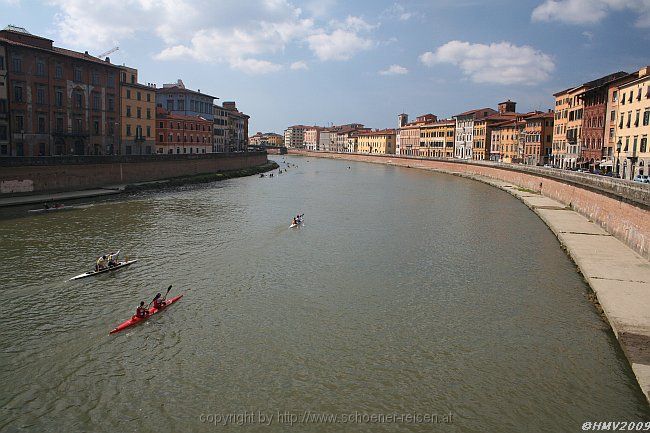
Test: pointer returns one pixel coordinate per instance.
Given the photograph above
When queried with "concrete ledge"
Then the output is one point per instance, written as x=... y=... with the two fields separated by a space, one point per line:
x=618 y=276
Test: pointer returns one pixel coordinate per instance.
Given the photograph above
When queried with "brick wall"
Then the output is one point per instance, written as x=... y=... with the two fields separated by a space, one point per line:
x=36 y=175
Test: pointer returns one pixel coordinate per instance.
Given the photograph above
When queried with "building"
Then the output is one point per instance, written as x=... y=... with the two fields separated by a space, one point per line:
x=220 y=128
x=560 y=120
x=437 y=139
x=381 y=142
x=311 y=141
x=610 y=155
x=180 y=134
x=633 y=127
x=409 y=133
x=177 y=99
x=326 y=139
x=594 y=100
x=538 y=138
x=507 y=142
x=294 y=136
x=482 y=134
x=137 y=114
x=342 y=142
x=236 y=139
x=464 y=135
x=57 y=101
x=266 y=139
x=4 y=103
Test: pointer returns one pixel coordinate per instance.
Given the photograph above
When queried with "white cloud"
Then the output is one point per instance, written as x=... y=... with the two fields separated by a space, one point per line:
x=590 y=11
x=394 y=70
x=344 y=41
x=226 y=31
x=338 y=45
x=398 y=11
x=295 y=66
x=254 y=66
x=499 y=63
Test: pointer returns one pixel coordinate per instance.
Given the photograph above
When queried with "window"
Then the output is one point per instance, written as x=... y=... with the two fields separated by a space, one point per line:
x=139 y=113
x=58 y=97
x=139 y=96
x=3 y=132
x=148 y=131
x=97 y=101
x=94 y=78
x=148 y=97
x=636 y=117
x=128 y=111
x=110 y=81
x=58 y=71
x=18 y=64
x=20 y=123
x=170 y=105
x=78 y=100
x=181 y=105
x=128 y=130
x=128 y=94
x=171 y=137
x=111 y=103
x=644 y=144
x=96 y=127
x=148 y=113
x=615 y=96
x=646 y=118
x=18 y=93
x=111 y=126
x=78 y=125
x=41 y=124
x=40 y=68
x=59 y=124
x=631 y=96
x=77 y=75
x=2 y=63
x=40 y=95
x=161 y=138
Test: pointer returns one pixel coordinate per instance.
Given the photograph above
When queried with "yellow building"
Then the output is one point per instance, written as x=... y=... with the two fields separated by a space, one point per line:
x=633 y=127
x=437 y=139
x=137 y=114
x=381 y=142
x=559 y=150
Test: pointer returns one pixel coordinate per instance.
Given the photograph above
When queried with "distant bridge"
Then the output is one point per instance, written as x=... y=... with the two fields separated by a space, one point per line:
x=271 y=150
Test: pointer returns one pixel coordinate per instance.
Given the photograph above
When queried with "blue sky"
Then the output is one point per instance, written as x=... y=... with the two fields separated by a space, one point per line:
x=315 y=62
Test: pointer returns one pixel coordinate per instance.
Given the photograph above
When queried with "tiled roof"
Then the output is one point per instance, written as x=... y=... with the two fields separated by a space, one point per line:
x=61 y=51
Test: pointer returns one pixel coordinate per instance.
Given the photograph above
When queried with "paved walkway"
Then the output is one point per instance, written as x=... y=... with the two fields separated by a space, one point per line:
x=61 y=196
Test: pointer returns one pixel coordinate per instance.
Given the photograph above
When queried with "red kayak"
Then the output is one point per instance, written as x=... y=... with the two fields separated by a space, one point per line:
x=153 y=310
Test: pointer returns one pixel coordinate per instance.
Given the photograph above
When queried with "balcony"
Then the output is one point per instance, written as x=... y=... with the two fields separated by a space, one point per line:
x=71 y=132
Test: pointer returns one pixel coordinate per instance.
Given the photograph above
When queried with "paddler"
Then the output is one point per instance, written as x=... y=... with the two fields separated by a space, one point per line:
x=111 y=260
x=158 y=301
x=141 y=311
x=294 y=222
x=101 y=263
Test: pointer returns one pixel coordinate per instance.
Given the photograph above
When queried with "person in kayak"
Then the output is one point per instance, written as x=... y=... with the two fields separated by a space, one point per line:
x=159 y=302
x=101 y=263
x=111 y=260
x=141 y=311
x=294 y=222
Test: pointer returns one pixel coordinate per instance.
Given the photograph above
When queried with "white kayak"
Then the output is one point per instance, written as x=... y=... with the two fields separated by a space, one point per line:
x=119 y=265
x=49 y=209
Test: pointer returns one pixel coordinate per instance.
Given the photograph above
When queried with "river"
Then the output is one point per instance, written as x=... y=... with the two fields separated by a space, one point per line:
x=406 y=292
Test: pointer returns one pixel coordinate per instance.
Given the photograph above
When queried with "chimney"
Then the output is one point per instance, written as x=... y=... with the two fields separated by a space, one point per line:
x=107 y=60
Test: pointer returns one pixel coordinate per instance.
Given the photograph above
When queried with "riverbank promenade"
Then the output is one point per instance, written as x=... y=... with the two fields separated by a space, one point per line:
x=618 y=275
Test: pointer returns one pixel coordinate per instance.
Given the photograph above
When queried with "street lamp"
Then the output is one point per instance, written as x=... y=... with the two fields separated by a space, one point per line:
x=618 y=158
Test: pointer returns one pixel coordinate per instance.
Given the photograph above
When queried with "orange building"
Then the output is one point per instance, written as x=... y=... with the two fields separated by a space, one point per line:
x=538 y=138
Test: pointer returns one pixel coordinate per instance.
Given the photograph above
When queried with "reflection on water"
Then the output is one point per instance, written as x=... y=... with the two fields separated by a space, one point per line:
x=405 y=292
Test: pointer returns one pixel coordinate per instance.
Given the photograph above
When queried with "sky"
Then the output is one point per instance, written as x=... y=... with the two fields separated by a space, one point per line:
x=318 y=62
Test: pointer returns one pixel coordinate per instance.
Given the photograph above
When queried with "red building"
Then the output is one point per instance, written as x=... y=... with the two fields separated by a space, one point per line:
x=60 y=102
x=538 y=138
x=593 y=118
x=177 y=133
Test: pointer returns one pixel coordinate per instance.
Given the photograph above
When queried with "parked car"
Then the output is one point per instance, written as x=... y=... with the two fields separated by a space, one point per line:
x=641 y=179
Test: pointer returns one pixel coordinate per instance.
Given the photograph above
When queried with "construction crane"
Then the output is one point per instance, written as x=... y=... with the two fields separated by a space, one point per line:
x=112 y=50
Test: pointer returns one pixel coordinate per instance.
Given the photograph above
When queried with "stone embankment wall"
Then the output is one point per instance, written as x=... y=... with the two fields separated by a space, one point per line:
x=19 y=176
x=620 y=207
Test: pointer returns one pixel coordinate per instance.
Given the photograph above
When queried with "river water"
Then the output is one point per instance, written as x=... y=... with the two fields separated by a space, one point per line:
x=406 y=292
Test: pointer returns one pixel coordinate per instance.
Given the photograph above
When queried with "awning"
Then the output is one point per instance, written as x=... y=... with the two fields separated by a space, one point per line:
x=606 y=163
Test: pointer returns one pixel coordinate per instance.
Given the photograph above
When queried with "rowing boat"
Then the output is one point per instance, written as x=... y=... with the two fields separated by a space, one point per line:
x=119 y=265
x=135 y=319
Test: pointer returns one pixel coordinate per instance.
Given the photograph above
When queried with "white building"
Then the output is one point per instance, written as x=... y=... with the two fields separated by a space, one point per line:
x=294 y=136
x=464 y=139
